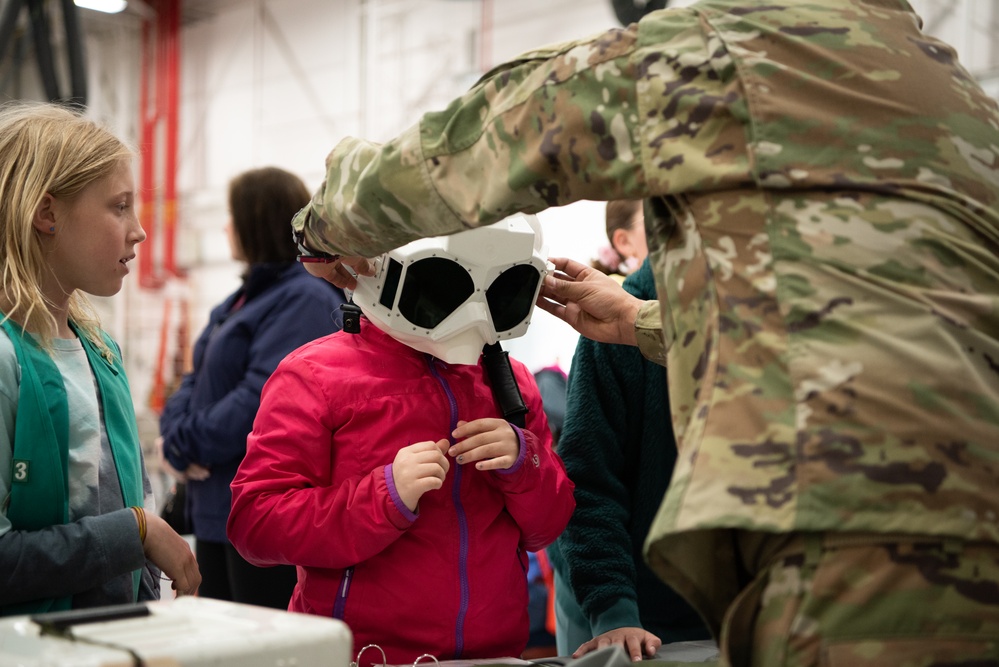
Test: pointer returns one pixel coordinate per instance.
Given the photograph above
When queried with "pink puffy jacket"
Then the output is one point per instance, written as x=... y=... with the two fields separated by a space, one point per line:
x=315 y=490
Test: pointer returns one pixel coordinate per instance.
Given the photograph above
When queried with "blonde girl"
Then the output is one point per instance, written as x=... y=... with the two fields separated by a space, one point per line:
x=74 y=530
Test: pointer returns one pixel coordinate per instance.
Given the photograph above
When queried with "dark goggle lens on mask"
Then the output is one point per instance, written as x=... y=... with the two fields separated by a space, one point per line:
x=435 y=287
x=511 y=296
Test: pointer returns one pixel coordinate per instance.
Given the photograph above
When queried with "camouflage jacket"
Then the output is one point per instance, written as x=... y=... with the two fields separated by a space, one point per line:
x=826 y=248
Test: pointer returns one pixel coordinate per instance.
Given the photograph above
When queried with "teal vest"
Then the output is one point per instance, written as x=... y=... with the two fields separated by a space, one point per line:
x=39 y=495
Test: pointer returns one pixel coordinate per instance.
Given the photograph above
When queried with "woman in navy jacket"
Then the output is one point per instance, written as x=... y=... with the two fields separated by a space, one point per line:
x=205 y=423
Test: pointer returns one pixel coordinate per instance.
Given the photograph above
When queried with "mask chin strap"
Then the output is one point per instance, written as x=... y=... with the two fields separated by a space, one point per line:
x=504 y=384
x=351 y=317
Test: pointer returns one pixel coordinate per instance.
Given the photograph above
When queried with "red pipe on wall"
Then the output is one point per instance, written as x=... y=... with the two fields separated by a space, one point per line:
x=147 y=153
x=171 y=111
x=159 y=129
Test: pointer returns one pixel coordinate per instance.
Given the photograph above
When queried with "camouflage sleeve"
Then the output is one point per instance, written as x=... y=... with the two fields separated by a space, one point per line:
x=554 y=126
x=375 y=197
x=649 y=332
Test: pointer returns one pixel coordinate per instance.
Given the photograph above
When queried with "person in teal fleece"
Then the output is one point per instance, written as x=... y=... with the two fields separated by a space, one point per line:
x=618 y=448
x=78 y=526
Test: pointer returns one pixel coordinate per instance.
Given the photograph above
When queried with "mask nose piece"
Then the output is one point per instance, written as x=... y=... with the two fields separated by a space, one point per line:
x=471 y=315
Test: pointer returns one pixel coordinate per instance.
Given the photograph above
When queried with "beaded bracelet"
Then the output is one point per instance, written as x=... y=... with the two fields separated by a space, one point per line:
x=140 y=514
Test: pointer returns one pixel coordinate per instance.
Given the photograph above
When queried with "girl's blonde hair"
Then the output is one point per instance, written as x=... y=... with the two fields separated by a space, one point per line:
x=46 y=148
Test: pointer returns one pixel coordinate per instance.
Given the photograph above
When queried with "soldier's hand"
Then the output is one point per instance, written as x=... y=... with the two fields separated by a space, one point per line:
x=591 y=302
x=342 y=272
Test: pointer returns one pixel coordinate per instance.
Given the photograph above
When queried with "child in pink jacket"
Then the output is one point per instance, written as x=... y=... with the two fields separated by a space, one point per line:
x=381 y=464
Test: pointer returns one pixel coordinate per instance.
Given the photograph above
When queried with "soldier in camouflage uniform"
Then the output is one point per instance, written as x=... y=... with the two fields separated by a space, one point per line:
x=823 y=180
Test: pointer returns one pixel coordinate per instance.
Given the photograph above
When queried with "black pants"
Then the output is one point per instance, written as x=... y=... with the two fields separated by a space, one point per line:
x=225 y=575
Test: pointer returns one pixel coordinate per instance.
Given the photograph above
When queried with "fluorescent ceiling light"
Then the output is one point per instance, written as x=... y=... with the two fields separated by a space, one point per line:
x=107 y=6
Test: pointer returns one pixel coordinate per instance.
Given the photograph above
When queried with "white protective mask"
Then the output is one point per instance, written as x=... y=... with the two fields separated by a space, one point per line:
x=450 y=295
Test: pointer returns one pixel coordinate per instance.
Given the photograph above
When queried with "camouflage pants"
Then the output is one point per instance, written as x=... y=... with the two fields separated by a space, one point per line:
x=868 y=601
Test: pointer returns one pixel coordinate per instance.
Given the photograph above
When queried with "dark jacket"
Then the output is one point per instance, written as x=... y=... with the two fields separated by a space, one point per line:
x=207 y=419
x=618 y=448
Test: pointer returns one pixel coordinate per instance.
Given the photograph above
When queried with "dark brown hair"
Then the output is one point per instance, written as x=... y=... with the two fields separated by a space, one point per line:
x=262 y=203
x=620 y=214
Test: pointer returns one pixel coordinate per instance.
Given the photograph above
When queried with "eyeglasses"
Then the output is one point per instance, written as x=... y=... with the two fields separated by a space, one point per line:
x=430 y=289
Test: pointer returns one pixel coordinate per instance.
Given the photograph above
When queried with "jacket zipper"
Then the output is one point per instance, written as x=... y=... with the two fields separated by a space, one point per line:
x=459 y=629
x=341 y=593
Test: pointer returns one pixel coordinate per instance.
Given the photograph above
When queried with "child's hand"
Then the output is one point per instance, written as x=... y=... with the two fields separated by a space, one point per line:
x=171 y=553
x=491 y=443
x=419 y=468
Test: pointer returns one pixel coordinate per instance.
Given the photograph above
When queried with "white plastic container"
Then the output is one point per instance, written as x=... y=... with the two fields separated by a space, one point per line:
x=184 y=632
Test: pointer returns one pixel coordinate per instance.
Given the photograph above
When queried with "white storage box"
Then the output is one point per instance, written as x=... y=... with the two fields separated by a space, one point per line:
x=185 y=632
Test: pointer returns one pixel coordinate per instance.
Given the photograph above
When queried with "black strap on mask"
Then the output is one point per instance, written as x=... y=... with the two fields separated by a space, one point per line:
x=351 y=317
x=504 y=384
